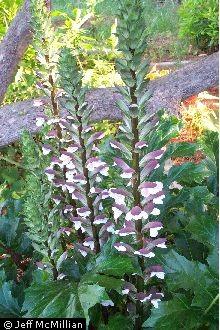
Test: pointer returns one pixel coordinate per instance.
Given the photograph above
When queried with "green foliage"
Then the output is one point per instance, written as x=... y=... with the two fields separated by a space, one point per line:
x=36 y=205
x=198 y=308
x=209 y=144
x=9 y=306
x=174 y=314
x=199 y=23
x=8 y=9
x=23 y=86
x=158 y=18
x=52 y=299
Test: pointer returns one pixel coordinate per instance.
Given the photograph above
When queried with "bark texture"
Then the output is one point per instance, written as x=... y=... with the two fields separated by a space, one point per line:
x=13 y=46
x=167 y=92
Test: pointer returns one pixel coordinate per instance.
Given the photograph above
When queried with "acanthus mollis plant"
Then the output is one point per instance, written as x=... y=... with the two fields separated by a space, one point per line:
x=81 y=166
x=46 y=44
x=137 y=206
x=70 y=147
x=41 y=218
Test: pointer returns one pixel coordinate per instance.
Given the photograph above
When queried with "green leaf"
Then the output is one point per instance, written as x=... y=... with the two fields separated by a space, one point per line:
x=118 y=321
x=9 y=306
x=110 y=262
x=213 y=260
x=188 y=247
x=181 y=149
x=190 y=275
x=141 y=103
x=209 y=143
x=122 y=106
x=203 y=229
x=52 y=299
x=168 y=128
x=10 y=175
x=70 y=268
x=103 y=280
x=115 y=265
x=174 y=315
x=90 y=295
x=8 y=228
x=192 y=198
x=187 y=173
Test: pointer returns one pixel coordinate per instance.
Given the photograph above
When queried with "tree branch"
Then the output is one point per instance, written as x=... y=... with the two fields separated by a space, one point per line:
x=13 y=46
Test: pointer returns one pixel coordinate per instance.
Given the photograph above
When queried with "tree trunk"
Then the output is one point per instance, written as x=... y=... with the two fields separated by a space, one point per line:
x=13 y=46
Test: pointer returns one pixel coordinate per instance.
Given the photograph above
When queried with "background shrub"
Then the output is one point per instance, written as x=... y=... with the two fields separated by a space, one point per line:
x=199 y=23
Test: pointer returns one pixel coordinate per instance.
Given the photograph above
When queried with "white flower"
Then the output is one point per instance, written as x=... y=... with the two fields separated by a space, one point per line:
x=155 y=211
x=53 y=121
x=100 y=219
x=56 y=200
x=150 y=188
x=83 y=212
x=175 y=185
x=37 y=103
x=89 y=244
x=94 y=163
x=114 y=145
x=40 y=121
x=120 y=248
x=70 y=166
x=83 y=253
x=110 y=229
x=70 y=187
x=104 y=194
x=117 y=196
x=65 y=159
x=145 y=298
x=104 y=171
x=98 y=179
x=125 y=291
x=50 y=176
x=67 y=208
x=136 y=213
x=162 y=245
x=61 y=276
x=154 y=302
x=154 y=231
x=77 y=225
x=126 y=175
x=159 y=199
x=158 y=275
x=117 y=212
x=67 y=232
x=107 y=303
x=46 y=149
x=72 y=148
x=147 y=255
x=140 y=145
x=70 y=175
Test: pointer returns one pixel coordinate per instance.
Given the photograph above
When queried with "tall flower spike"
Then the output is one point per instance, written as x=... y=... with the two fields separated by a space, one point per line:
x=81 y=155
x=136 y=162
